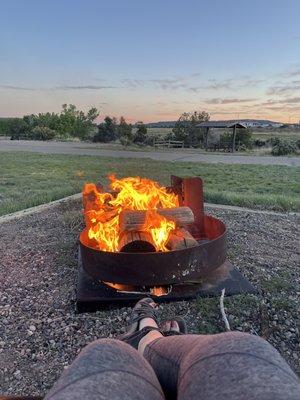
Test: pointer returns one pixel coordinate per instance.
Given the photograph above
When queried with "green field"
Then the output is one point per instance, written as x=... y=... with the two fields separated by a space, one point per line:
x=29 y=179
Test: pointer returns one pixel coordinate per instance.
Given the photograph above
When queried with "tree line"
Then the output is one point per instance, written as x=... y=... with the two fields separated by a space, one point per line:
x=70 y=122
x=73 y=123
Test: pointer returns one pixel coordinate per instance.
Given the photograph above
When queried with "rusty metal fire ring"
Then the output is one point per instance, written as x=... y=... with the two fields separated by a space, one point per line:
x=158 y=268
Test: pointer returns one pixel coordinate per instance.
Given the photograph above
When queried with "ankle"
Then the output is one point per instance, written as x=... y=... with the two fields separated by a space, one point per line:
x=147 y=322
x=147 y=339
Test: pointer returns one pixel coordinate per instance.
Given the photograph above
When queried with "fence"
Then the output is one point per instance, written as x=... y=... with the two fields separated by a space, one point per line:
x=167 y=143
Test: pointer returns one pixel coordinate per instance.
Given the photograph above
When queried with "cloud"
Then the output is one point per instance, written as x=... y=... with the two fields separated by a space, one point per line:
x=284 y=89
x=164 y=84
x=169 y=84
x=133 y=83
x=84 y=87
x=215 y=85
x=289 y=100
x=12 y=87
x=64 y=87
x=291 y=73
x=229 y=84
x=227 y=101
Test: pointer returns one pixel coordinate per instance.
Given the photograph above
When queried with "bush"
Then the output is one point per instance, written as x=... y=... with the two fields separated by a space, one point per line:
x=140 y=135
x=282 y=147
x=243 y=139
x=4 y=126
x=125 y=132
x=241 y=147
x=186 y=128
x=259 y=143
x=226 y=140
x=150 y=139
x=18 y=129
x=107 y=131
x=42 y=133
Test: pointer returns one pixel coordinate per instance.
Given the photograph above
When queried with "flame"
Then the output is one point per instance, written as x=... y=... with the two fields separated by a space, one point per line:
x=102 y=210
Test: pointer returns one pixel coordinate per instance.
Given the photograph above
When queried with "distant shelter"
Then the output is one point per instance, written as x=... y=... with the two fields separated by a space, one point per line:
x=219 y=125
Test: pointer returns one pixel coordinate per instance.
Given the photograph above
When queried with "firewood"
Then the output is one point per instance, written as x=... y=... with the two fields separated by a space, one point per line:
x=181 y=239
x=134 y=220
x=136 y=242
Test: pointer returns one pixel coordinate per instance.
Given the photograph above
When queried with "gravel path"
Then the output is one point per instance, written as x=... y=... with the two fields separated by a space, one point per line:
x=183 y=155
x=40 y=333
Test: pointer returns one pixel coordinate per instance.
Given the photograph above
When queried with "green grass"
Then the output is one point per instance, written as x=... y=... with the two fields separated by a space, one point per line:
x=29 y=179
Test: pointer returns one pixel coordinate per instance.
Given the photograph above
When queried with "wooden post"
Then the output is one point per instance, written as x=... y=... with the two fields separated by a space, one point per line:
x=233 y=139
x=206 y=138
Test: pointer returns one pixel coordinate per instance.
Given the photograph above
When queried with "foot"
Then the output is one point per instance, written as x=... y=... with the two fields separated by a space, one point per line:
x=170 y=326
x=143 y=322
x=175 y=326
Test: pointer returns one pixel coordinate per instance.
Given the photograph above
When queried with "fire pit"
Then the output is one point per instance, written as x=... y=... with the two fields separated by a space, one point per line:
x=141 y=238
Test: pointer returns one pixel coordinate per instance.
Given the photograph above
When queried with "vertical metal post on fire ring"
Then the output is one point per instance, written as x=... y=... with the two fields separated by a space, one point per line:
x=190 y=194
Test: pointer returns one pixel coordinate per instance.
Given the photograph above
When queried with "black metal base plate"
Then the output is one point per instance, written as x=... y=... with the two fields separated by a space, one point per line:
x=93 y=295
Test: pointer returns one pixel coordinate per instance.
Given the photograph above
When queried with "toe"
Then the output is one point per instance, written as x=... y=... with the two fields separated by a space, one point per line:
x=174 y=326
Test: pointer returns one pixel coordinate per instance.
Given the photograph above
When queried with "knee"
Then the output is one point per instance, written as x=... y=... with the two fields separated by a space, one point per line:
x=103 y=343
x=102 y=347
x=243 y=342
x=235 y=342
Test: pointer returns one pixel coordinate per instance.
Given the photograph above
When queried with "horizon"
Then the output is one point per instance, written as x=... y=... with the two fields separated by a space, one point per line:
x=152 y=62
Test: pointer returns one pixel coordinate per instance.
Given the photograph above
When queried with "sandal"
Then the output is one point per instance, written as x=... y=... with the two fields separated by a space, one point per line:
x=142 y=309
x=169 y=332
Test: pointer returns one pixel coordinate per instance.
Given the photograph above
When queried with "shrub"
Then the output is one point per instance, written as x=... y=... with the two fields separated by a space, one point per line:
x=241 y=147
x=140 y=135
x=226 y=140
x=125 y=132
x=186 y=128
x=243 y=139
x=42 y=133
x=4 y=126
x=18 y=129
x=150 y=139
x=107 y=131
x=282 y=147
x=259 y=143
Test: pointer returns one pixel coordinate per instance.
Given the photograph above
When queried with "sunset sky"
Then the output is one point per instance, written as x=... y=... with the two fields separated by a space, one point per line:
x=152 y=60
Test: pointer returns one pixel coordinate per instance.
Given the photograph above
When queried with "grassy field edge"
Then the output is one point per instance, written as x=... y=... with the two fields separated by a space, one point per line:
x=30 y=179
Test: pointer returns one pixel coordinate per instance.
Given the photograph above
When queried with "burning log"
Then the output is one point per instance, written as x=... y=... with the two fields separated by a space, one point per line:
x=181 y=239
x=135 y=220
x=136 y=242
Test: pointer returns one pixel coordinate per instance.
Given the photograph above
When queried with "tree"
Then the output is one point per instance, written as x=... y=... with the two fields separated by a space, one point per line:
x=186 y=128
x=5 y=126
x=42 y=133
x=125 y=132
x=107 y=130
x=76 y=123
x=18 y=129
x=140 y=135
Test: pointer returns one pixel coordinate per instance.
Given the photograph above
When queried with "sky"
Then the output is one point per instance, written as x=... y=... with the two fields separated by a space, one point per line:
x=151 y=60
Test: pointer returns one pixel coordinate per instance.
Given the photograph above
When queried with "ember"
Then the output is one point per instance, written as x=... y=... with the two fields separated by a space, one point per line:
x=102 y=212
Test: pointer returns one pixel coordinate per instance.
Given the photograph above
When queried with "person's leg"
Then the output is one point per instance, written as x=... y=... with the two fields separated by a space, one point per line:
x=107 y=369
x=229 y=365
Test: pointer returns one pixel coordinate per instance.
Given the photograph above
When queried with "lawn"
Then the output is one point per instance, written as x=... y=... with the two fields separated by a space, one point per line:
x=29 y=179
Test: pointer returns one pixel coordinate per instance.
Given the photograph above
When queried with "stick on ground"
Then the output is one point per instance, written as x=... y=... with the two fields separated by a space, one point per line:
x=224 y=317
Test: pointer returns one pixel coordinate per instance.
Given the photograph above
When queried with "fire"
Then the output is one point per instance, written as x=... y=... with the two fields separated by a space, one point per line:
x=102 y=210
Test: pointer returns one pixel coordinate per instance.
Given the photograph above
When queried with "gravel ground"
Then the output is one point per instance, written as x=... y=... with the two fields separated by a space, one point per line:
x=40 y=333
